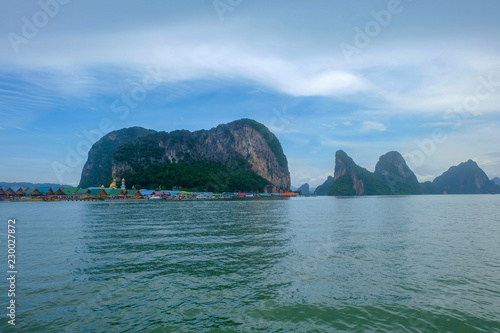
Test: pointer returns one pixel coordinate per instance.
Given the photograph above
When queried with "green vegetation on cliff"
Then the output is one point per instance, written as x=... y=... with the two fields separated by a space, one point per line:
x=98 y=168
x=355 y=180
x=146 y=150
x=392 y=176
x=187 y=174
x=206 y=160
x=343 y=186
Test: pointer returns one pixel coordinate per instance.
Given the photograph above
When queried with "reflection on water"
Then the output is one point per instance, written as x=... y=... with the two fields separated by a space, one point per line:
x=380 y=263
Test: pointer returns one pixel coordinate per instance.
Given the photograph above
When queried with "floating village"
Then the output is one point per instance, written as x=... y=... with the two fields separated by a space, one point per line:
x=112 y=192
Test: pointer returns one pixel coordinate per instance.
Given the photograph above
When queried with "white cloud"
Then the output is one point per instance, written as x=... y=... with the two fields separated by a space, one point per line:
x=459 y=146
x=186 y=56
x=425 y=178
x=404 y=72
x=368 y=126
x=304 y=177
x=409 y=77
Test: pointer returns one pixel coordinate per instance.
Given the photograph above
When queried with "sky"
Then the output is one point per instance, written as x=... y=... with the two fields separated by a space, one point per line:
x=367 y=77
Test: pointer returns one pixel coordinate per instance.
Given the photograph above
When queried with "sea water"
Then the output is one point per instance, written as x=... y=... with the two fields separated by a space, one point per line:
x=388 y=264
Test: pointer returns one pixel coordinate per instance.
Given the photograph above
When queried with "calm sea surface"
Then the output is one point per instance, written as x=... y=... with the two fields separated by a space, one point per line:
x=385 y=264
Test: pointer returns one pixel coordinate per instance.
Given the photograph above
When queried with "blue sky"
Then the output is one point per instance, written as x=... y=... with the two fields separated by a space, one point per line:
x=367 y=77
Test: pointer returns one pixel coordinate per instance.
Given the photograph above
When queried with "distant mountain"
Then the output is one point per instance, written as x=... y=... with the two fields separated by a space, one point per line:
x=466 y=178
x=496 y=180
x=430 y=188
x=240 y=156
x=325 y=187
x=351 y=179
x=97 y=169
x=392 y=176
x=24 y=184
x=304 y=189
x=392 y=168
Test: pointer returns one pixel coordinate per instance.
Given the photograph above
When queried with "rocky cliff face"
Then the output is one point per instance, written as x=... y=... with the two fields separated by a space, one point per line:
x=392 y=176
x=97 y=169
x=243 y=140
x=346 y=175
x=351 y=179
x=263 y=152
x=392 y=168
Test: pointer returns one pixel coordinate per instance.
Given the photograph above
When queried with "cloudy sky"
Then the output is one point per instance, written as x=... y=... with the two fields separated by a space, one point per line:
x=368 y=77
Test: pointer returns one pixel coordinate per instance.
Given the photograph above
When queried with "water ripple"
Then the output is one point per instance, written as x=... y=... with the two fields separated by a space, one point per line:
x=378 y=264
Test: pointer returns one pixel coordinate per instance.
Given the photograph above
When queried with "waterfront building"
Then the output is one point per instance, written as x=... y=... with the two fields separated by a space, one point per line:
x=116 y=192
x=82 y=191
x=16 y=190
x=43 y=190
x=32 y=191
x=67 y=191
x=98 y=192
x=52 y=191
x=134 y=193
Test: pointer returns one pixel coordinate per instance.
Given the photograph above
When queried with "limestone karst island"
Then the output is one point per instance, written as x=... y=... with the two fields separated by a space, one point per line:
x=242 y=159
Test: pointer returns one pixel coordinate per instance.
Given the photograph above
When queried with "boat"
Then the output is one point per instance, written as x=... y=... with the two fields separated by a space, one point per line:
x=154 y=197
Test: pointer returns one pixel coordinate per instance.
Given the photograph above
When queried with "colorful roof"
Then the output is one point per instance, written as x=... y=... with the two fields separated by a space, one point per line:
x=44 y=190
x=69 y=191
x=59 y=191
x=10 y=191
x=158 y=193
x=99 y=191
x=19 y=191
x=31 y=190
x=290 y=194
x=52 y=191
x=134 y=193
x=115 y=192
